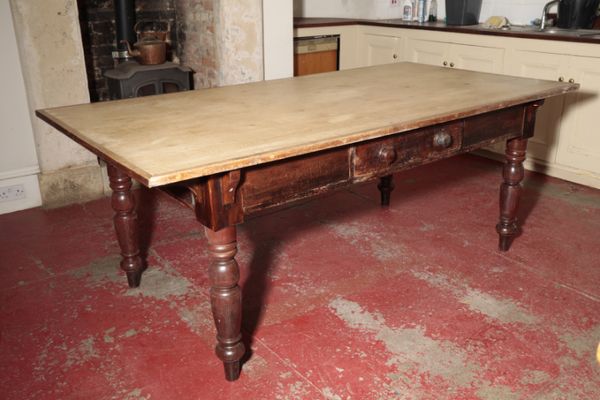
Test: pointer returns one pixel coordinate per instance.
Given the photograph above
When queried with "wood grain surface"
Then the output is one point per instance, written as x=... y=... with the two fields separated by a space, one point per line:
x=174 y=137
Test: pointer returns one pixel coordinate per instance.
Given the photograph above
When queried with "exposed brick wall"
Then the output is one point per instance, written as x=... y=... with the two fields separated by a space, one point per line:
x=97 y=21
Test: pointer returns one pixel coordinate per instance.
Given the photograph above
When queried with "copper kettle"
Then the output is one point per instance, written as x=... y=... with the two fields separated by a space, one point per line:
x=158 y=30
x=149 y=51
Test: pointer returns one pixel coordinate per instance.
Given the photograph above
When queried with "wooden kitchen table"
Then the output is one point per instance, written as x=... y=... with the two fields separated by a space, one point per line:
x=232 y=151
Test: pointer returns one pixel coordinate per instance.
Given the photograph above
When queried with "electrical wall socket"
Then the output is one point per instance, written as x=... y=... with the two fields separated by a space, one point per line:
x=14 y=192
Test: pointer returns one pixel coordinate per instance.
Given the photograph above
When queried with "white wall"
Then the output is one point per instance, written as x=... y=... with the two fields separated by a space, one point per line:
x=278 y=38
x=18 y=160
x=517 y=11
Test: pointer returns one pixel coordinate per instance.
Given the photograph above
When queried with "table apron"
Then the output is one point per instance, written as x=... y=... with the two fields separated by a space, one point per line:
x=278 y=183
x=225 y=199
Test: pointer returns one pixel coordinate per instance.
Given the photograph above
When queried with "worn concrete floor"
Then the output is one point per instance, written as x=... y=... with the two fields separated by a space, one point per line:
x=343 y=300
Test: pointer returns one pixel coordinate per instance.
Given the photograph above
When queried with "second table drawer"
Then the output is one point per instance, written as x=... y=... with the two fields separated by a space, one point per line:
x=407 y=148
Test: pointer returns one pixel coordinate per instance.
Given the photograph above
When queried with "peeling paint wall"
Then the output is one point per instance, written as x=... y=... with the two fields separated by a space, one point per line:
x=51 y=53
x=196 y=39
x=239 y=47
x=221 y=40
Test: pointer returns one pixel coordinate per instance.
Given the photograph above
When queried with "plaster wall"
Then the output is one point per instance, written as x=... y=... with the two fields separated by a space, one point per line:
x=53 y=66
x=517 y=11
x=18 y=160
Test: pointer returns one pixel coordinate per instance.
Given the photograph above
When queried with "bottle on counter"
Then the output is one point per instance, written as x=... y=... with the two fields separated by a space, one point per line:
x=421 y=10
x=407 y=10
x=432 y=11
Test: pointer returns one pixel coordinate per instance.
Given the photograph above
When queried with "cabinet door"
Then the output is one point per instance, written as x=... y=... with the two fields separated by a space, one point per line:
x=532 y=64
x=379 y=49
x=427 y=52
x=579 y=145
x=476 y=58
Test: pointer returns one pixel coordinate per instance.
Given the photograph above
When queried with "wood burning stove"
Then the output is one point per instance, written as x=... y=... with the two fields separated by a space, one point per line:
x=131 y=79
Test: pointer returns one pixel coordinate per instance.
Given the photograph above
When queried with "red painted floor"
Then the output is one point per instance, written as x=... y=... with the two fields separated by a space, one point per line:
x=343 y=300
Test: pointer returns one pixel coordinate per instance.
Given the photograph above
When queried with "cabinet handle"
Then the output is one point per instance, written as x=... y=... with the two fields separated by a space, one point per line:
x=451 y=65
x=571 y=80
x=395 y=56
x=561 y=79
x=442 y=140
x=445 y=63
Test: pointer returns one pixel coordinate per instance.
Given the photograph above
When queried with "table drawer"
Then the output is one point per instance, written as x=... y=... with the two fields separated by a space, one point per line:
x=406 y=149
x=493 y=125
x=280 y=182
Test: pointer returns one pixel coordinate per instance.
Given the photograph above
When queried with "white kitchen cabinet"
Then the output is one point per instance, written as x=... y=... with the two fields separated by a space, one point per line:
x=544 y=144
x=427 y=51
x=380 y=46
x=477 y=58
x=453 y=55
x=579 y=144
x=566 y=132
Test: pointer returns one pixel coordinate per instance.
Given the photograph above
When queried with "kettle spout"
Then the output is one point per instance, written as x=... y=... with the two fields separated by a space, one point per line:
x=132 y=52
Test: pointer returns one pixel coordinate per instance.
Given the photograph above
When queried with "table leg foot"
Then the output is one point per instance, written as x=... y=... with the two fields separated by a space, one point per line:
x=125 y=221
x=385 y=186
x=232 y=370
x=226 y=299
x=510 y=191
x=504 y=243
x=134 y=278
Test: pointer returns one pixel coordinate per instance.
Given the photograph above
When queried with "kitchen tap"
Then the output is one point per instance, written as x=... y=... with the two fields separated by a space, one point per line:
x=545 y=11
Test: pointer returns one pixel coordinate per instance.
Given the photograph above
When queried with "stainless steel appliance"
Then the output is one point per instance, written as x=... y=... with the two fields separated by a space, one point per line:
x=577 y=14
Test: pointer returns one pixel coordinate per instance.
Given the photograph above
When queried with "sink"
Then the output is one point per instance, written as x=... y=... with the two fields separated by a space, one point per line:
x=554 y=30
x=551 y=30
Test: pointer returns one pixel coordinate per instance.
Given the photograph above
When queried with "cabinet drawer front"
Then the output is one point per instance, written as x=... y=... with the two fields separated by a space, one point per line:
x=407 y=149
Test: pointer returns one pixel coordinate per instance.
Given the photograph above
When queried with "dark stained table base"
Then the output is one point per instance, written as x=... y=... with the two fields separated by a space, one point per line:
x=510 y=191
x=221 y=201
x=226 y=298
x=125 y=220
x=385 y=186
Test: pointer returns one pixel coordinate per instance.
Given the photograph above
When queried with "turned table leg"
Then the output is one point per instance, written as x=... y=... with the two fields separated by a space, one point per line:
x=226 y=298
x=385 y=186
x=510 y=191
x=125 y=220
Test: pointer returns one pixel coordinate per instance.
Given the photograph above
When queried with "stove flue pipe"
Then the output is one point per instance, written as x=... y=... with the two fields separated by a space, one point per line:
x=125 y=21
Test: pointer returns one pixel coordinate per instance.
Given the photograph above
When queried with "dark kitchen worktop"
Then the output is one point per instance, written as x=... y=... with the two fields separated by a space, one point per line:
x=528 y=32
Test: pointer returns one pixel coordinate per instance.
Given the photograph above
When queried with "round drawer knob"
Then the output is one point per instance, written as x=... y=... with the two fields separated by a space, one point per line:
x=442 y=140
x=395 y=56
x=445 y=63
x=571 y=80
x=561 y=79
x=451 y=65
x=387 y=154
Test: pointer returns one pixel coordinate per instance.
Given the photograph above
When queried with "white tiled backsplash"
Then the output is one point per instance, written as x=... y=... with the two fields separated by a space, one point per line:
x=517 y=11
